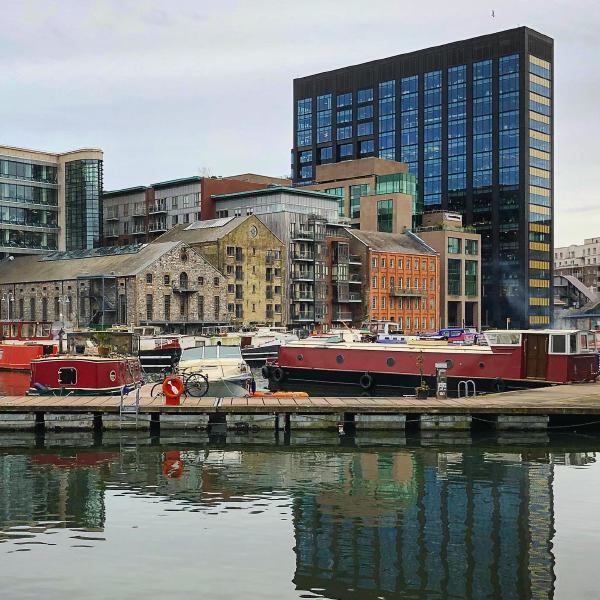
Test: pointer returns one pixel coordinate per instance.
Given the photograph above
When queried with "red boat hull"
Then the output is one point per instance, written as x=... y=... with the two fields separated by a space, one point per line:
x=83 y=375
x=18 y=357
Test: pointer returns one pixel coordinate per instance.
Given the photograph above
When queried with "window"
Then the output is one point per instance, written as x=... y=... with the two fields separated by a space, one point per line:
x=471 y=247
x=558 y=344
x=148 y=277
x=344 y=100
x=167 y=307
x=325 y=153
x=385 y=216
x=454 y=278
x=344 y=116
x=345 y=150
x=167 y=279
x=366 y=147
x=471 y=278
x=201 y=308
x=374 y=302
x=365 y=128
x=343 y=133
x=149 y=307
x=365 y=95
x=217 y=305
x=365 y=112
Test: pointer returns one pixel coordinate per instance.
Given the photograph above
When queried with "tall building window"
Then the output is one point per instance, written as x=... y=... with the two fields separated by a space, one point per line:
x=304 y=120
x=432 y=132
x=385 y=215
x=387 y=120
x=453 y=276
x=356 y=191
x=471 y=278
x=457 y=141
x=409 y=107
x=339 y=192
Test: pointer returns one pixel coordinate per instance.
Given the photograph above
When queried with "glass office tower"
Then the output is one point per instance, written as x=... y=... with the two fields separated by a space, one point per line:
x=473 y=120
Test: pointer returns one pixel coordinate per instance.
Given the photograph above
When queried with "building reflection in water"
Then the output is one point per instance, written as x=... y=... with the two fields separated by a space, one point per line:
x=419 y=523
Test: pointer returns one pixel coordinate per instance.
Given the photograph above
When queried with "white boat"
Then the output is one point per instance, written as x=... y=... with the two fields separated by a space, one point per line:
x=259 y=346
x=223 y=366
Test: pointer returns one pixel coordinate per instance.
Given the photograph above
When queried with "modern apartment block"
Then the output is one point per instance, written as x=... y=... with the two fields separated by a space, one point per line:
x=402 y=279
x=459 y=249
x=142 y=213
x=581 y=261
x=473 y=121
x=321 y=279
x=49 y=201
x=373 y=193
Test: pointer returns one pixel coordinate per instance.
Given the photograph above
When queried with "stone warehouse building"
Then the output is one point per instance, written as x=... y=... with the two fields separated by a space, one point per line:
x=167 y=284
x=252 y=259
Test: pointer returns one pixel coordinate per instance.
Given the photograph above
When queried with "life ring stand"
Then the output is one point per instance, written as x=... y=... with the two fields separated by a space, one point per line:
x=172 y=388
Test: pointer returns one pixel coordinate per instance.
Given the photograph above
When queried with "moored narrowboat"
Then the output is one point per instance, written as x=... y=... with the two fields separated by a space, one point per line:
x=501 y=360
x=95 y=364
x=23 y=341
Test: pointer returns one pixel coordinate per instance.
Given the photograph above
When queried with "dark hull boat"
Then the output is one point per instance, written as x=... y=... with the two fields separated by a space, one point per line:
x=511 y=360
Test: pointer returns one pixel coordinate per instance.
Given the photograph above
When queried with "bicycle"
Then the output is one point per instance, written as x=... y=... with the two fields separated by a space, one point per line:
x=194 y=384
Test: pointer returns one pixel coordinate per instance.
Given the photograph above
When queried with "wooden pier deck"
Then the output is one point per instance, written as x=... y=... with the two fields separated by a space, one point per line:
x=576 y=399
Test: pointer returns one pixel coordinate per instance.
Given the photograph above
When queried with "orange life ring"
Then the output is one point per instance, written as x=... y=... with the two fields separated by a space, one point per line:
x=172 y=388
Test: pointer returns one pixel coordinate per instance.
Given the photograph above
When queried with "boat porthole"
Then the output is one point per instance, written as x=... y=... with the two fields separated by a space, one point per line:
x=300 y=357
x=450 y=364
x=481 y=365
x=112 y=375
x=390 y=362
x=339 y=359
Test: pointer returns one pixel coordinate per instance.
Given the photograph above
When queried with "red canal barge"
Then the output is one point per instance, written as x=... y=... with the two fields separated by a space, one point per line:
x=22 y=341
x=502 y=360
x=95 y=364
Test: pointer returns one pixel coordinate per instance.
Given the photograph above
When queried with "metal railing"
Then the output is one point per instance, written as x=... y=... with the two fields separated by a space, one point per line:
x=397 y=291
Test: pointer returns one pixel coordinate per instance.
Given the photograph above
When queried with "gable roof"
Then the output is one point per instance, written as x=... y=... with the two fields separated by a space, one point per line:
x=62 y=265
x=392 y=242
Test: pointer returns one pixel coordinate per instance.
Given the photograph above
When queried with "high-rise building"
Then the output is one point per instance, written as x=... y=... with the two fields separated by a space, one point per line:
x=473 y=121
x=49 y=201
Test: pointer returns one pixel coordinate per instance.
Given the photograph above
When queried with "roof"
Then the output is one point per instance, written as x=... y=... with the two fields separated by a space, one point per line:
x=124 y=191
x=173 y=182
x=581 y=287
x=392 y=242
x=121 y=262
x=274 y=189
x=203 y=231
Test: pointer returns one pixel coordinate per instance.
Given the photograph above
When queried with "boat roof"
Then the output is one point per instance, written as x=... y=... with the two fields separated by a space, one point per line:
x=541 y=331
x=412 y=346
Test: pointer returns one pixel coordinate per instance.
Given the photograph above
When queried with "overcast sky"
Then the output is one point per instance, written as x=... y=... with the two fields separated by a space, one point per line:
x=167 y=88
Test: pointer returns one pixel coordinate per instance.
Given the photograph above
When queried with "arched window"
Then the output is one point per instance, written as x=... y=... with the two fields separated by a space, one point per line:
x=183 y=280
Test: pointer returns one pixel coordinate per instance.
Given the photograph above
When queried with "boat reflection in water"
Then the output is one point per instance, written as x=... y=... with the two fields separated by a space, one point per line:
x=383 y=522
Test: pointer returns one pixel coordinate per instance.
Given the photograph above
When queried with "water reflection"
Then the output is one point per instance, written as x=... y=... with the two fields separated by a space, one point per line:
x=383 y=522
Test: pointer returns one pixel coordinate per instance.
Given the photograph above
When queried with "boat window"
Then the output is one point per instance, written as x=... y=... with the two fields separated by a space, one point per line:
x=229 y=352
x=28 y=330
x=45 y=329
x=591 y=341
x=503 y=339
x=573 y=343
x=583 y=341
x=67 y=376
x=558 y=344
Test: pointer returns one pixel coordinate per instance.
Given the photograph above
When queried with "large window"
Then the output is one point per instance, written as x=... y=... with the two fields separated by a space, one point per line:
x=356 y=191
x=471 y=247
x=471 y=277
x=454 y=245
x=454 y=278
x=385 y=216
x=339 y=192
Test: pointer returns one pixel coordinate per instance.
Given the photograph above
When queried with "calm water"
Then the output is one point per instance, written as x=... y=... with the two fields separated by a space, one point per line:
x=310 y=517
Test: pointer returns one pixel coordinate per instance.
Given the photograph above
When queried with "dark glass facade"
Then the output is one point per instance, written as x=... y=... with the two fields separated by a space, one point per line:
x=473 y=120
x=83 y=208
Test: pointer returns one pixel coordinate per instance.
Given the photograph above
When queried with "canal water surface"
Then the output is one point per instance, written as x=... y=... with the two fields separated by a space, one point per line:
x=310 y=517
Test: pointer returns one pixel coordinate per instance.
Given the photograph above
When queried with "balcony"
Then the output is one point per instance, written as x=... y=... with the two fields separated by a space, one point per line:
x=300 y=295
x=184 y=289
x=157 y=227
x=112 y=217
x=303 y=315
x=139 y=230
x=111 y=234
x=355 y=279
x=300 y=275
x=354 y=259
x=342 y=316
x=300 y=233
x=355 y=298
x=139 y=212
x=297 y=255
x=158 y=207
x=401 y=292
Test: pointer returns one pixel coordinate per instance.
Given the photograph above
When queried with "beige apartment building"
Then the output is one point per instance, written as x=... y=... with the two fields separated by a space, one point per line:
x=373 y=194
x=460 y=273
x=49 y=201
